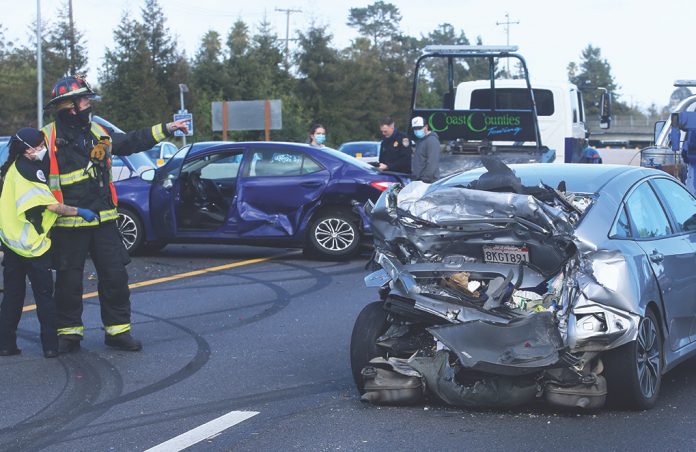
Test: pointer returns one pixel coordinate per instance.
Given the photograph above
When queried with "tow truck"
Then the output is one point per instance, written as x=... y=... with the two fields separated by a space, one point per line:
x=497 y=117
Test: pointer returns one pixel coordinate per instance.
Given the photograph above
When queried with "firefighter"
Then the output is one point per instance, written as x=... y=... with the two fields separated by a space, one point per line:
x=80 y=174
x=28 y=210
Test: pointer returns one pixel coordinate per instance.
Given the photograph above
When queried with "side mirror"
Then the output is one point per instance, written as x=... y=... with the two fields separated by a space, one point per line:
x=605 y=110
x=659 y=125
x=148 y=175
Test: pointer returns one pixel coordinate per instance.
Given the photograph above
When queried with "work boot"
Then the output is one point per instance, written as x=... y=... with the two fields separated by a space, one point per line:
x=69 y=343
x=123 y=341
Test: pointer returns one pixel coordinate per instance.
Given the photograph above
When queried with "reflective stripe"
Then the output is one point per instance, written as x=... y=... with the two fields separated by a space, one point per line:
x=74 y=330
x=107 y=215
x=113 y=330
x=157 y=133
x=20 y=244
x=36 y=191
x=77 y=222
x=73 y=177
x=74 y=222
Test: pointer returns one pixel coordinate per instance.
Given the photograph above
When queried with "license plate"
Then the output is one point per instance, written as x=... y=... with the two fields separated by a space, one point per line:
x=505 y=254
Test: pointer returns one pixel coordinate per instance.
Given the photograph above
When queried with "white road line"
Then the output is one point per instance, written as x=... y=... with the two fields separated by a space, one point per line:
x=205 y=431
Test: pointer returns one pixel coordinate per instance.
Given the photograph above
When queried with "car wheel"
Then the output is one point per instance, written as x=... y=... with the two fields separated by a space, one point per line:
x=634 y=370
x=334 y=234
x=369 y=326
x=131 y=229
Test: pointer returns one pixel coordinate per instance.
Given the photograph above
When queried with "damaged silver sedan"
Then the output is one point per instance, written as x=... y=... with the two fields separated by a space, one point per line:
x=498 y=286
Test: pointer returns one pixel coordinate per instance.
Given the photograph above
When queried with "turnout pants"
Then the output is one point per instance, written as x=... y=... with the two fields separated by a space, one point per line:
x=104 y=245
x=16 y=269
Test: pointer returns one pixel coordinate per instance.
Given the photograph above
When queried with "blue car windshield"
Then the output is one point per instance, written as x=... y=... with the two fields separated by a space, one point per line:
x=349 y=159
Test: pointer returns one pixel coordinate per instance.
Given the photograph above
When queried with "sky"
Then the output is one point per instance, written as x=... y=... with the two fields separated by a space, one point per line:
x=642 y=41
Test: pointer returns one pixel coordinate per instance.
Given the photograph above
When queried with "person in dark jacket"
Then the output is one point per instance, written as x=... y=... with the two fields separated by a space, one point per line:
x=395 y=150
x=80 y=173
x=426 y=159
x=28 y=210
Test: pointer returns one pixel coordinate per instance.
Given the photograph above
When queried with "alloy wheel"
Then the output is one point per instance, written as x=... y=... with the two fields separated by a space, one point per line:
x=128 y=230
x=334 y=234
x=648 y=357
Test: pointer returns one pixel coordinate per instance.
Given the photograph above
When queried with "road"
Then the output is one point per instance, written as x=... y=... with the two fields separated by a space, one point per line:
x=253 y=355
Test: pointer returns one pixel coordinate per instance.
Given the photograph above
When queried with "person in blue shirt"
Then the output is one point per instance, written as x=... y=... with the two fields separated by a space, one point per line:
x=589 y=154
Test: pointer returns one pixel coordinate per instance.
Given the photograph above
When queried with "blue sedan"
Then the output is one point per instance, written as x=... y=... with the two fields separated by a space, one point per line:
x=253 y=193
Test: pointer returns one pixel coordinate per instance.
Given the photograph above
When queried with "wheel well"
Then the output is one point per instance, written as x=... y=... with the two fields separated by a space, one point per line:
x=653 y=307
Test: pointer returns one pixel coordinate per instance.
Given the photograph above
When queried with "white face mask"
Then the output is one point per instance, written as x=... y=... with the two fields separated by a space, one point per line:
x=39 y=155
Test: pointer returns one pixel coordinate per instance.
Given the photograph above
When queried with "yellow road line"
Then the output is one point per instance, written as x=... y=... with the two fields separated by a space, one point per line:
x=180 y=276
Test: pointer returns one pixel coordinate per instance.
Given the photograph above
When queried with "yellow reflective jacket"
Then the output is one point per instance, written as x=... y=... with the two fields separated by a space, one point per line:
x=18 y=196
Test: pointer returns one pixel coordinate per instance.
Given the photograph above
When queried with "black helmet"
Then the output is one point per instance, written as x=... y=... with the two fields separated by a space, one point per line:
x=70 y=88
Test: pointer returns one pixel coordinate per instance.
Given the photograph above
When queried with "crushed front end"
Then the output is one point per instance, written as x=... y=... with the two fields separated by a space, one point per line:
x=488 y=297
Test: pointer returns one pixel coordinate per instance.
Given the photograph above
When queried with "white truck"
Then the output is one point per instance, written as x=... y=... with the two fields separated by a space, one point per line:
x=509 y=118
x=559 y=105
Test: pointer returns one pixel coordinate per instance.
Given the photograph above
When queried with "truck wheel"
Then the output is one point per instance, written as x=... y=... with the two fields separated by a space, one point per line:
x=131 y=229
x=333 y=234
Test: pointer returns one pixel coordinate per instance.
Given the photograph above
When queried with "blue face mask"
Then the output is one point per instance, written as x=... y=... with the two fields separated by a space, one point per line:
x=420 y=133
x=320 y=138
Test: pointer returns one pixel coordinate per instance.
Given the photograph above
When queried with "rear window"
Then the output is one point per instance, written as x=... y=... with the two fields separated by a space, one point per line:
x=513 y=99
x=366 y=149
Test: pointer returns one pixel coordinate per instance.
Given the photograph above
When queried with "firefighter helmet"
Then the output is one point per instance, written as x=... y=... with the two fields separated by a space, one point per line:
x=69 y=88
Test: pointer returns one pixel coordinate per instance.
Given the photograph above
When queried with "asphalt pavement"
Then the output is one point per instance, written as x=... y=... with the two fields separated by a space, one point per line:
x=248 y=349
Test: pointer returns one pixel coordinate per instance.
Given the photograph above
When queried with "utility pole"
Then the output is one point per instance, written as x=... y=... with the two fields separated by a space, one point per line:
x=507 y=24
x=287 y=12
x=39 y=69
x=71 y=44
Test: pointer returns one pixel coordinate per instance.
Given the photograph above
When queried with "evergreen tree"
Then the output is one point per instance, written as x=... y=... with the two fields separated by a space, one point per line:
x=594 y=72
x=378 y=21
x=64 y=44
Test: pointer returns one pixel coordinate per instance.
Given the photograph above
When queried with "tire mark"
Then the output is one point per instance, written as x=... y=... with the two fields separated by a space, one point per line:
x=76 y=406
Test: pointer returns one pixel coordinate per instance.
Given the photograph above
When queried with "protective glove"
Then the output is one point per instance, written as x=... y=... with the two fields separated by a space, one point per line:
x=86 y=214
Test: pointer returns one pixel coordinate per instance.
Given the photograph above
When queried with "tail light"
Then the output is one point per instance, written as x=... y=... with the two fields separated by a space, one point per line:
x=381 y=186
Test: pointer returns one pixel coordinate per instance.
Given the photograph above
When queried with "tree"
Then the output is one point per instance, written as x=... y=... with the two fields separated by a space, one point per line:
x=377 y=21
x=64 y=42
x=594 y=72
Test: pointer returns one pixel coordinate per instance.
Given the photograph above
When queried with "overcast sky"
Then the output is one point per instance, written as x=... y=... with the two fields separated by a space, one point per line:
x=642 y=40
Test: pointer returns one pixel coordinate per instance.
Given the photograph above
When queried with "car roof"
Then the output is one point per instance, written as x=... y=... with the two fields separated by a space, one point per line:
x=579 y=178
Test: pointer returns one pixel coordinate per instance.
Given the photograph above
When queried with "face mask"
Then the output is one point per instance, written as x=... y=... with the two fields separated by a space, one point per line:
x=39 y=155
x=320 y=138
x=85 y=116
x=420 y=133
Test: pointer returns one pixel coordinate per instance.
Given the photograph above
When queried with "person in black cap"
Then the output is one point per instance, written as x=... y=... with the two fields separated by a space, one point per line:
x=28 y=210
x=395 y=150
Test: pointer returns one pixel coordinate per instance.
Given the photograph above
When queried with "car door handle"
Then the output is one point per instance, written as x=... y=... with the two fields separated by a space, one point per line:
x=657 y=257
x=310 y=184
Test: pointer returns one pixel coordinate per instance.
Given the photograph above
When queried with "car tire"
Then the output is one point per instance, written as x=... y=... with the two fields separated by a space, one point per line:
x=333 y=234
x=369 y=326
x=131 y=229
x=634 y=370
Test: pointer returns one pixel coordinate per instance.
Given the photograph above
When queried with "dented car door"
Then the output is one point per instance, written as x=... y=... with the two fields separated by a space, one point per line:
x=278 y=190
